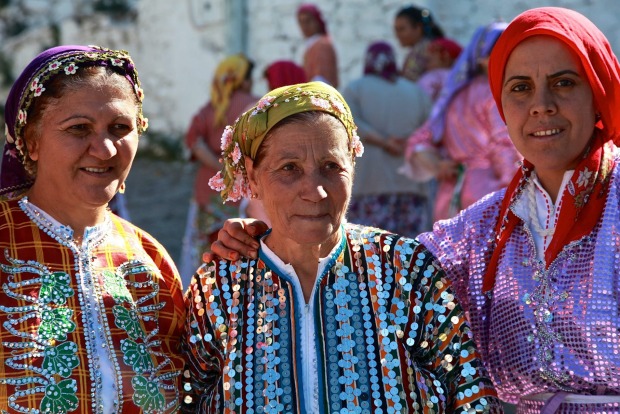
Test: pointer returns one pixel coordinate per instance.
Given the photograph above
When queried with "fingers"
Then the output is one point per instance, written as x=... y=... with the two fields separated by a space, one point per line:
x=219 y=249
x=256 y=228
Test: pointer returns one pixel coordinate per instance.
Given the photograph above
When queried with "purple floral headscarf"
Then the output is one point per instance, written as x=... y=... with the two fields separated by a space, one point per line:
x=61 y=60
x=381 y=61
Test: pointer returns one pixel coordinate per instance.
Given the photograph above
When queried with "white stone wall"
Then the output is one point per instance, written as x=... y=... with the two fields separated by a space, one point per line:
x=177 y=44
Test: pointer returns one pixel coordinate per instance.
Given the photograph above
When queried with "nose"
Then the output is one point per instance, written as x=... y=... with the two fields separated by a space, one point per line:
x=314 y=188
x=543 y=103
x=103 y=146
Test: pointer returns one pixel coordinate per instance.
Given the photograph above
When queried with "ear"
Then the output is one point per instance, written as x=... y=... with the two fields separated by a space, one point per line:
x=251 y=173
x=32 y=144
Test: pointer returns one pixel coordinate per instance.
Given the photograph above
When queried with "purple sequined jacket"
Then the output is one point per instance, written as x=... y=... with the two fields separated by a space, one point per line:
x=542 y=330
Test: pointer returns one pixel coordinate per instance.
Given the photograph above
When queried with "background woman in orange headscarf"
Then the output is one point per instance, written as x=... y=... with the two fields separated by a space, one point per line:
x=230 y=96
x=537 y=265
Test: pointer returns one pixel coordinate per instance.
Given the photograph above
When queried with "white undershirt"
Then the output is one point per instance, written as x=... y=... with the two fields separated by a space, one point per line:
x=307 y=327
x=547 y=212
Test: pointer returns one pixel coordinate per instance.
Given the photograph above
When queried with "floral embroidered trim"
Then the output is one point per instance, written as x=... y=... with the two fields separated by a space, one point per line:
x=69 y=64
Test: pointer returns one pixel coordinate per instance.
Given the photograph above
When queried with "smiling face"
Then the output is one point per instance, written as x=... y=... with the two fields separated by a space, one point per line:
x=304 y=178
x=84 y=144
x=548 y=106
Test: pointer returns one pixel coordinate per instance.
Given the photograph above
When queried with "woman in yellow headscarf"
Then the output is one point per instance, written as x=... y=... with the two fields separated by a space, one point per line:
x=230 y=96
x=331 y=317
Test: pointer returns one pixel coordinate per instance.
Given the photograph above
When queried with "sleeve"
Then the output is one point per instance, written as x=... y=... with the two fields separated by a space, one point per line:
x=444 y=352
x=201 y=347
x=419 y=141
x=197 y=129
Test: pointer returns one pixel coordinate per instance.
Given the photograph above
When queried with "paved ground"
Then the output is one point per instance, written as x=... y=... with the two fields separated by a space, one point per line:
x=158 y=194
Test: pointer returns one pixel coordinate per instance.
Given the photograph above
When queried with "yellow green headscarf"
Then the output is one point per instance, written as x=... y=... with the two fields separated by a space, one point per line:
x=229 y=76
x=247 y=134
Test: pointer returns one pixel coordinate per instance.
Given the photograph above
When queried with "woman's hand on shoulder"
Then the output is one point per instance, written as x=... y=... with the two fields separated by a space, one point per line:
x=236 y=239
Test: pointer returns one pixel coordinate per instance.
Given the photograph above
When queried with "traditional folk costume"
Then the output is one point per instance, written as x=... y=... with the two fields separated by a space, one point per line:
x=540 y=281
x=380 y=333
x=387 y=106
x=320 y=62
x=207 y=213
x=91 y=327
x=415 y=63
x=465 y=127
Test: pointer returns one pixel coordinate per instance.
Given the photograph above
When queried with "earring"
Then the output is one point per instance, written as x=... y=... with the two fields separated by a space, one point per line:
x=121 y=189
x=254 y=196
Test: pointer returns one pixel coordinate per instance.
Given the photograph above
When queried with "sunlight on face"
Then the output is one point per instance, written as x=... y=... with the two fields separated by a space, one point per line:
x=548 y=105
x=304 y=180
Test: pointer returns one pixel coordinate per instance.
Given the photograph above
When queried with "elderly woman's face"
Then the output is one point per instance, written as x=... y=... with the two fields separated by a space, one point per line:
x=548 y=104
x=304 y=180
x=85 y=144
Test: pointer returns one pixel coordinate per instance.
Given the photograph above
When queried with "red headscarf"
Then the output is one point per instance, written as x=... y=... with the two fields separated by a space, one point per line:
x=582 y=205
x=314 y=11
x=284 y=73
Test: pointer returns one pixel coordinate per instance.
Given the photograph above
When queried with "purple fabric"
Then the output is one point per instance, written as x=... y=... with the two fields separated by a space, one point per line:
x=464 y=70
x=315 y=12
x=543 y=330
x=380 y=61
x=13 y=175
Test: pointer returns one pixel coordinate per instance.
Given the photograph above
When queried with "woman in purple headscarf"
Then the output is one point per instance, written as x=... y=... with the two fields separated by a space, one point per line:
x=387 y=108
x=91 y=306
x=465 y=143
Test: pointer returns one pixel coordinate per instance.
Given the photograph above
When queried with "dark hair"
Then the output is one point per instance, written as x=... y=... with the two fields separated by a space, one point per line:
x=417 y=15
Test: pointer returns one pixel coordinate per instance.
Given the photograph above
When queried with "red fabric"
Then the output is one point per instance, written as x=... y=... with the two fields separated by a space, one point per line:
x=582 y=204
x=450 y=46
x=584 y=38
x=320 y=61
x=284 y=73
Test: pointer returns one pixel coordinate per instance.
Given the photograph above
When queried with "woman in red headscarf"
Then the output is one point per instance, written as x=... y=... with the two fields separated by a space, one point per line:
x=320 y=63
x=537 y=265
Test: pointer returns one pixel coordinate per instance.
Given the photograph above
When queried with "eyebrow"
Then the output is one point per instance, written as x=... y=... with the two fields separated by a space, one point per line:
x=553 y=75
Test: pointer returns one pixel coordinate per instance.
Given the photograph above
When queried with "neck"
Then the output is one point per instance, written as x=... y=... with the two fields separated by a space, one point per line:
x=551 y=182
x=304 y=258
x=75 y=217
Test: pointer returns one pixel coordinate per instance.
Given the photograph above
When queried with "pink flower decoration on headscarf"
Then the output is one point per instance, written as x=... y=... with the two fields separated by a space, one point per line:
x=264 y=102
x=227 y=137
x=358 y=147
x=320 y=102
x=54 y=65
x=217 y=182
x=239 y=188
x=71 y=69
x=236 y=154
